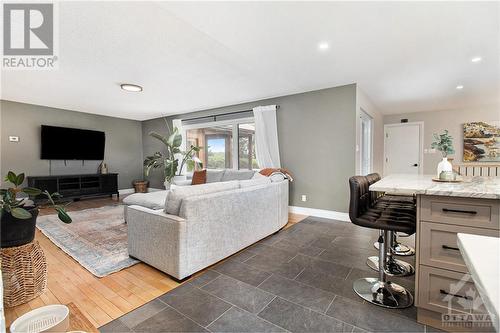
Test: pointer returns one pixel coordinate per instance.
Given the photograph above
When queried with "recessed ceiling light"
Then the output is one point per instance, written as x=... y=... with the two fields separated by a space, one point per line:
x=476 y=59
x=460 y=87
x=323 y=46
x=131 y=87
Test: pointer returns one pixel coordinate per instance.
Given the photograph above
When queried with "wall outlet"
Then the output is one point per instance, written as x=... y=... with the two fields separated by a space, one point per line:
x=13 y=138
x=304 y=198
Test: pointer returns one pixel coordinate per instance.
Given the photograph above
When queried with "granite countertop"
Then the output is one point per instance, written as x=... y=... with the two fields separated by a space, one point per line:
x=470 y=187
x=482 y=257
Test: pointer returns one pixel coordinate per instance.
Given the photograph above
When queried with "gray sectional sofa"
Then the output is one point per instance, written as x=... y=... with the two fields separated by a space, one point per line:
x=197 y=226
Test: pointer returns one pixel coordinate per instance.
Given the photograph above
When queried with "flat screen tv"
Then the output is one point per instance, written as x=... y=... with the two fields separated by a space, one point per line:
x=61 y=143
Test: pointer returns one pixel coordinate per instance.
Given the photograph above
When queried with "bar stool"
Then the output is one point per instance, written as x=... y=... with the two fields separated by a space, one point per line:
x=378 y=291
x=382 y=200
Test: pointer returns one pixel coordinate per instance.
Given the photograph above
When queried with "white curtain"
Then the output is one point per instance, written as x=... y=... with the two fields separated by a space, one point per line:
x=266 y=137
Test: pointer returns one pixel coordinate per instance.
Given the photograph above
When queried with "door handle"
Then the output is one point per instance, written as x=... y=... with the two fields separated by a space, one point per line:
x=415 y=165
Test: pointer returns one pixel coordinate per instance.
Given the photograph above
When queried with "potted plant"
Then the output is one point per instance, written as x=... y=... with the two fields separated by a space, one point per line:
x=169 y=161
x=18 y=214
x=443 y=143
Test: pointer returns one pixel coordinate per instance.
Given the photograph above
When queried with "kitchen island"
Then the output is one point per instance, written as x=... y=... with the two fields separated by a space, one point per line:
x=445 y=294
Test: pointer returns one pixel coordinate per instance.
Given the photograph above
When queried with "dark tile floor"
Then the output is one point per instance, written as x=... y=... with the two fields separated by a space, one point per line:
x=299 y=280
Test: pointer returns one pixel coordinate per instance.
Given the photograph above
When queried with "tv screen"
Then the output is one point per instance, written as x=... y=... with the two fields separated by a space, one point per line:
x=61 y=143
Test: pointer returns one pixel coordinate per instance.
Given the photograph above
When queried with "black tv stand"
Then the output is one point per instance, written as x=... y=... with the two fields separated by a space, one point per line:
x=76 y=187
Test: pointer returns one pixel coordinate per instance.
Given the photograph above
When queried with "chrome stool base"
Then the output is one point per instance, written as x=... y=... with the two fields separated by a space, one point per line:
x=399 y=249
x=394 y=267
x=385 y=294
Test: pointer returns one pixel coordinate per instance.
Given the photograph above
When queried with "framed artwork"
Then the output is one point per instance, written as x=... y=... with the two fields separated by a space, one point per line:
x=482 y=141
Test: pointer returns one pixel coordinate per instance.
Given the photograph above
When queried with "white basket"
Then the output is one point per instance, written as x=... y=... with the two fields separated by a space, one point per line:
x=50 y=318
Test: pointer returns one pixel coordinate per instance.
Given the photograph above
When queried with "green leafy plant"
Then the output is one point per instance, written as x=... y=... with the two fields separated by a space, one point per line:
x=443 y=143
x=169 y=161
x=11 y=203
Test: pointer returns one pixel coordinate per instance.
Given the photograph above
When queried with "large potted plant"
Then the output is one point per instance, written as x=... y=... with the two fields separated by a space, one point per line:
x=443 y=143
x=169 y=160
x=18 y=212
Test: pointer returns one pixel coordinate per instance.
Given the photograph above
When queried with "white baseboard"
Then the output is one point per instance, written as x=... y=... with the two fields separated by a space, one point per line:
x=328 y=214
x=131 y=190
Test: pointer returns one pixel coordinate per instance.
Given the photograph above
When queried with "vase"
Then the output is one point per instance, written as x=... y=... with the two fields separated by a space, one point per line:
x=444 y=165
x=18 y=232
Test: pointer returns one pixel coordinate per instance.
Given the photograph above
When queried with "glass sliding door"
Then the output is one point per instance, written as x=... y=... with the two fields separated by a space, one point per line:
x=216 y=145
x=224 y=144
x=246 y=146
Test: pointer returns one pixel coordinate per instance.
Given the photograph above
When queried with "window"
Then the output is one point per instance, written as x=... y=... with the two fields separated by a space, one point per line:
x=246 y=146
x=225 y=144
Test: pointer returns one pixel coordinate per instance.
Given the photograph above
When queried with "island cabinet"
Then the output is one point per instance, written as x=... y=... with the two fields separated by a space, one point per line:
x=445 y=295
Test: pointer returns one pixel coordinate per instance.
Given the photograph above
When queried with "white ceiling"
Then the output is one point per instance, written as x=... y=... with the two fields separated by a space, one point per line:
x=406 y=56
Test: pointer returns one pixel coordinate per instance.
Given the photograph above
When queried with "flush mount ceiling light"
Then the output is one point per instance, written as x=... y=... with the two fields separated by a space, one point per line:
x=131 y=87
x=323 y=46
x=460 y=87
x=476 y=59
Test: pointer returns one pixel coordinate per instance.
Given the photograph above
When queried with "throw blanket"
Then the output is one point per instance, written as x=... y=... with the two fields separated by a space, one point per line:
x=268 y=172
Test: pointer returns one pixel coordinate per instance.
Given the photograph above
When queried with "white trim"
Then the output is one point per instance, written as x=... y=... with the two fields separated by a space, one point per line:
x=421 y=137
x=329 y=214
x=131 y=190
x=218 y=123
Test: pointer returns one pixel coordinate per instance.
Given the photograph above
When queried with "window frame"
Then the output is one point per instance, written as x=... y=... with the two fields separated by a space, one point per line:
x=234 y=123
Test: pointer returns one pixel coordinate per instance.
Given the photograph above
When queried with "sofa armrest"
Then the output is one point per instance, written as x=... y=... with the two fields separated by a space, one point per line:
x=157 y=238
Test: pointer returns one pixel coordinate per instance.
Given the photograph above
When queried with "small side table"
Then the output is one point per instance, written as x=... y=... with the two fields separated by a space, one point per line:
x=24 y=273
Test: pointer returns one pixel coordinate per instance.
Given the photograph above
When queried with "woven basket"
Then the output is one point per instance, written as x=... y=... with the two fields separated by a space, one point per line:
x=141 y=186
x=24 y=273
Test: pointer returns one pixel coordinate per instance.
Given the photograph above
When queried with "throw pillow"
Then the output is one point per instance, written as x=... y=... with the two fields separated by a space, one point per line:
x=199 y=177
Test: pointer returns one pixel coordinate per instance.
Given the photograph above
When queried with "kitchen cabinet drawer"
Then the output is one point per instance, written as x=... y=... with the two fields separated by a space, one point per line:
x=438 y=244
x=445 y=291
x=480 y=213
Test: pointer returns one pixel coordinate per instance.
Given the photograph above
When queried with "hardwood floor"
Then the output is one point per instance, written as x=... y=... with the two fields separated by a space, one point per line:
x=99 y=299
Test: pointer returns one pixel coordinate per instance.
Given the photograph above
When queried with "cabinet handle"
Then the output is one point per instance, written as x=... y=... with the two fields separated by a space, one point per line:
x=446 y=247
x=447 y=210
x=444 y=292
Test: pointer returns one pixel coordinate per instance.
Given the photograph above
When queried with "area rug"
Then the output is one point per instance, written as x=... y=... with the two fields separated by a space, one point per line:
x=97 y=238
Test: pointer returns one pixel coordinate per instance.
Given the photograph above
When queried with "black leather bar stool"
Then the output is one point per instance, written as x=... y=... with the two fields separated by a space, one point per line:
x=383 y=201
x=379 y=291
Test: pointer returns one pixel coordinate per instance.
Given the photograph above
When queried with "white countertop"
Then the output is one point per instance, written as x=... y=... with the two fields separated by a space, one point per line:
x=470 y=187
x=482 y=257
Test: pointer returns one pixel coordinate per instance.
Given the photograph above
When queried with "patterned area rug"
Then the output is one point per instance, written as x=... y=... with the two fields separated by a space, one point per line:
x=97 y=238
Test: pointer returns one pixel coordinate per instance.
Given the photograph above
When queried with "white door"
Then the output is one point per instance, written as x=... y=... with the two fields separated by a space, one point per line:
x=402 y=149
x=366 y=139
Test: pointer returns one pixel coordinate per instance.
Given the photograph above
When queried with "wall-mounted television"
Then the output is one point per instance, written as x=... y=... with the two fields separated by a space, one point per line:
x=62 y=143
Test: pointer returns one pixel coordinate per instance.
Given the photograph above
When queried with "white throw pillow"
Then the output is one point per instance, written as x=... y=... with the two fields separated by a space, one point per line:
x=255 y=182
x=177 y=194
x=152 y=200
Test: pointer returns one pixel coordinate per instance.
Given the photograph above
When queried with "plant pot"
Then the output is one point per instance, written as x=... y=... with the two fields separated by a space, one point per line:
x=141 y=186
x=17 y=232
x=175 y=180
x=444 y=165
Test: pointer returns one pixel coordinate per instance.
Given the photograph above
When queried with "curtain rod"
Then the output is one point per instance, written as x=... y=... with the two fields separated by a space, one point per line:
x=221 y=114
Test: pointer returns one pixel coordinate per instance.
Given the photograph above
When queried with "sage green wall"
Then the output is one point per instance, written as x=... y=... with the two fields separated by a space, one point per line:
x=123 y=152
x=452 y=120
x=317 y=138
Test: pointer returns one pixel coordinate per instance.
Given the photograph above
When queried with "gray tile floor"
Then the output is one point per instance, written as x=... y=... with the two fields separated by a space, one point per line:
x=299 y=280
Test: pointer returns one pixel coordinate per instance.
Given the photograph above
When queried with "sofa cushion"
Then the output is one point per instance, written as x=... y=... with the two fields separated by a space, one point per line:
x=255 y=182
x=214 y=176
x=151 y=200
x=177 y=194
x=230 y=174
